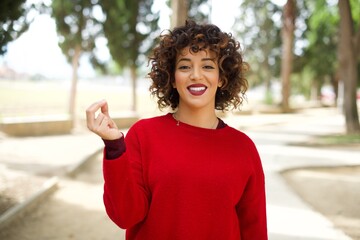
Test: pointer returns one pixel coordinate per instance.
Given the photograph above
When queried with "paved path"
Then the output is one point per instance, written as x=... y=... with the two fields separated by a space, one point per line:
x=288 y=216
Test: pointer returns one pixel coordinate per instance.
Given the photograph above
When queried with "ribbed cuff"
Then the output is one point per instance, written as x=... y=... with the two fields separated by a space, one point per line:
x=114 y=148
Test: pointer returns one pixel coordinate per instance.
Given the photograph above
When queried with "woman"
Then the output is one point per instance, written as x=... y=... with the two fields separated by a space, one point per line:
x=186 y=174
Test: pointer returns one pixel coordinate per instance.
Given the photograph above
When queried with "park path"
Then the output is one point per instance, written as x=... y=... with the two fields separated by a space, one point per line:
x=74 y=211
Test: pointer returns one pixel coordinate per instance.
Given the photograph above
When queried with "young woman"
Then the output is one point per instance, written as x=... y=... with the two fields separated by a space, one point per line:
x=186 y=174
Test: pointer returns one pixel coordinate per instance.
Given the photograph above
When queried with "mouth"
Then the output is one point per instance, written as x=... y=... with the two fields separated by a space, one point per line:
x=197 y=89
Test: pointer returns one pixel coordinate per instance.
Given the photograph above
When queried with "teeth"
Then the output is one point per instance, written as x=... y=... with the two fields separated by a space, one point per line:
x=197 y=89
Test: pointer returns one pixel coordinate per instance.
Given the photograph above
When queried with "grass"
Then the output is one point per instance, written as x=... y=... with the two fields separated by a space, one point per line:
x=338 y=139
x=28 y=98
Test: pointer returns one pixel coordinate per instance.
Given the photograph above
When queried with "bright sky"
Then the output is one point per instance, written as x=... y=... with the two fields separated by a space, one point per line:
x=37 y=52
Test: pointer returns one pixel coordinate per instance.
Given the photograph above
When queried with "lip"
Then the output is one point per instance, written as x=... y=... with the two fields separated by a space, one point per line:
x=197 y=89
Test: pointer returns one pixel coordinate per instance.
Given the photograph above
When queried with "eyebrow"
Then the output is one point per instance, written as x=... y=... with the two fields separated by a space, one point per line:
x=203 y=59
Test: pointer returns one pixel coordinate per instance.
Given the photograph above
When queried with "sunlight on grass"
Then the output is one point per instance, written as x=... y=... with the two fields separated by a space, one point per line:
x=339 y=139
x=29 y=98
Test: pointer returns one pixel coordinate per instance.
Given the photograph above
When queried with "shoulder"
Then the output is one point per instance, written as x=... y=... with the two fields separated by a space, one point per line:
x=246 y=147
x=240 y=140
x=150 y=124
x=238 y=135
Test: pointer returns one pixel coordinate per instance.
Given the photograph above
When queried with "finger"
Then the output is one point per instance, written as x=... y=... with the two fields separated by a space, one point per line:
x=105 y=109
x=91 y=110
x=112 y=124
x=104 y=124
x=103 y=121
x=107 y=132
x=98 y=120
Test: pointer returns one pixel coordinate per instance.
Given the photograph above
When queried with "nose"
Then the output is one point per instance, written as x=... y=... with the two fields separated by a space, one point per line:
x=195 y=74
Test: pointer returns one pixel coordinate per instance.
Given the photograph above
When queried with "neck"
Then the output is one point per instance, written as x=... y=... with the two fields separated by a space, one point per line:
x=198 y=118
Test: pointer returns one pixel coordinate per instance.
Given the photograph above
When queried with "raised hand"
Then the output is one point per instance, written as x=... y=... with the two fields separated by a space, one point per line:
x=102 y=124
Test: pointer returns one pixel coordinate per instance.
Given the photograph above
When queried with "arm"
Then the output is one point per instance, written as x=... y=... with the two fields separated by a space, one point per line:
x=125 y=199
x=125 y=196
x=251 y=209
x=114 y=148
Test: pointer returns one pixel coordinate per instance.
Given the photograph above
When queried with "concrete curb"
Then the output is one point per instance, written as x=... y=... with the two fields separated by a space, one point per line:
x=74 y=169
x=22 y=208
x=47 y=189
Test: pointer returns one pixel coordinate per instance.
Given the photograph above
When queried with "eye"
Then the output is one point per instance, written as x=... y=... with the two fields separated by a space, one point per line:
x=183 y=67
x=208 y=67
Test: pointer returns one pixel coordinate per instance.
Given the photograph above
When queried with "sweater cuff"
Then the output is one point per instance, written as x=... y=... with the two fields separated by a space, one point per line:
x=114 y=148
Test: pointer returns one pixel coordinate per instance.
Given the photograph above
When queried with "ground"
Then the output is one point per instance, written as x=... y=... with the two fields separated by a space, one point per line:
x=322 y=188
x=334 y=192
x=74 y=211
x=70 y=215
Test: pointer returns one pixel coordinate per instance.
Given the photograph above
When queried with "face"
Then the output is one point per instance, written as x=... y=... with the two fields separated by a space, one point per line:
x=196 y=79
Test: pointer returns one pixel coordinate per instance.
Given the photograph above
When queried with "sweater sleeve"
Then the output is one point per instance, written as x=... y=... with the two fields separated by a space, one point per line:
x=114 y=148
x=251 y=209
x=125 y=197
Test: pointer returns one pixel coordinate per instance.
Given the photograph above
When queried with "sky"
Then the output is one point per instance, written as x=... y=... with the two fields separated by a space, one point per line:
x=37 y=52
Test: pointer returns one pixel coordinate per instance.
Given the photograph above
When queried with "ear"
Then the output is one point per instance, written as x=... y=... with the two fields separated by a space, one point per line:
x=173 y=84
x=220 y=83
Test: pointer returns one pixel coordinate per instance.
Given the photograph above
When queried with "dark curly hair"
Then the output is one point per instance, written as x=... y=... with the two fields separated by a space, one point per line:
x=198 y=37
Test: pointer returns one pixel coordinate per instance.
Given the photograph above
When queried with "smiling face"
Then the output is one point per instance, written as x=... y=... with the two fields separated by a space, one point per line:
x=196 y=79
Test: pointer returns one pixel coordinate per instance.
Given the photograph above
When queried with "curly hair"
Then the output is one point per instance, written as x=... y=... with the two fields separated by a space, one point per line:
x=198 y=37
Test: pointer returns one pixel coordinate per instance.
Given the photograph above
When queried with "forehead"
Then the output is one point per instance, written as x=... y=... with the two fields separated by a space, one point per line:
x=204 y=53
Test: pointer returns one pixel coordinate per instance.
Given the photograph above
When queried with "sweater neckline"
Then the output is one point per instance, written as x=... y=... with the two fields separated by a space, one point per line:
x=222 y=125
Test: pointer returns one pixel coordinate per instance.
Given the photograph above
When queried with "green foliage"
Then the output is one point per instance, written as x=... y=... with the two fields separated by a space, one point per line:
x=301 y=83
x=77 y=25
x=316 y=39
x=130 y=27
x=269 y=98
x=321 y=52
x=194 y=10
x=355 y=10
x=197 y=9
x=348 y=139
x=13 y=21
x=258 y=27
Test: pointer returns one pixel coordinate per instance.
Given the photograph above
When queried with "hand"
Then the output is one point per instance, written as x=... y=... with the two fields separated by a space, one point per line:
x=102 y=125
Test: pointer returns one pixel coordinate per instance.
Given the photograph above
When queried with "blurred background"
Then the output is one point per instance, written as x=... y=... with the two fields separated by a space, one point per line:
x=57 y=57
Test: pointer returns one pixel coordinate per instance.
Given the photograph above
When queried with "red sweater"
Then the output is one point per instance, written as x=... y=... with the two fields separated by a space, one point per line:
x=185 y=182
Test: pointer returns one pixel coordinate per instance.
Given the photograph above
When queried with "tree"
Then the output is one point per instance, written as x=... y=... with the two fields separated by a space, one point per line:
x=77 y=28
x=184 y=9
x=259 y=31
x=349 y=48
x=14 y=21
x=179 y=12
x=130 y=28
x=321 y=37
x=287 y=36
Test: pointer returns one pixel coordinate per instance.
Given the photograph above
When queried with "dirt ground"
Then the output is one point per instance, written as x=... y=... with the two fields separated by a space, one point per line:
x=74 y=211
x=334 y=192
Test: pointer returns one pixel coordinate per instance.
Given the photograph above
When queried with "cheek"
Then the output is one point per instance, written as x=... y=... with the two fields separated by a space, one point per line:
x=178 y=79
x=216 y=80
x=174 y=83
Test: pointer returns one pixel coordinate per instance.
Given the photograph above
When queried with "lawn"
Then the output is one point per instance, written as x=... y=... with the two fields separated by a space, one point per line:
x=43 y=98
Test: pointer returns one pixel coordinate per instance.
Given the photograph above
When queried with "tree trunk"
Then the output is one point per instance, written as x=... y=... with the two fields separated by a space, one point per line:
x=348 y=66
x=287 y=35
x=179 y=12
x=133 y=80
x=267 y=79
x=73 y=90
x=335 y=84
x=314 y=91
